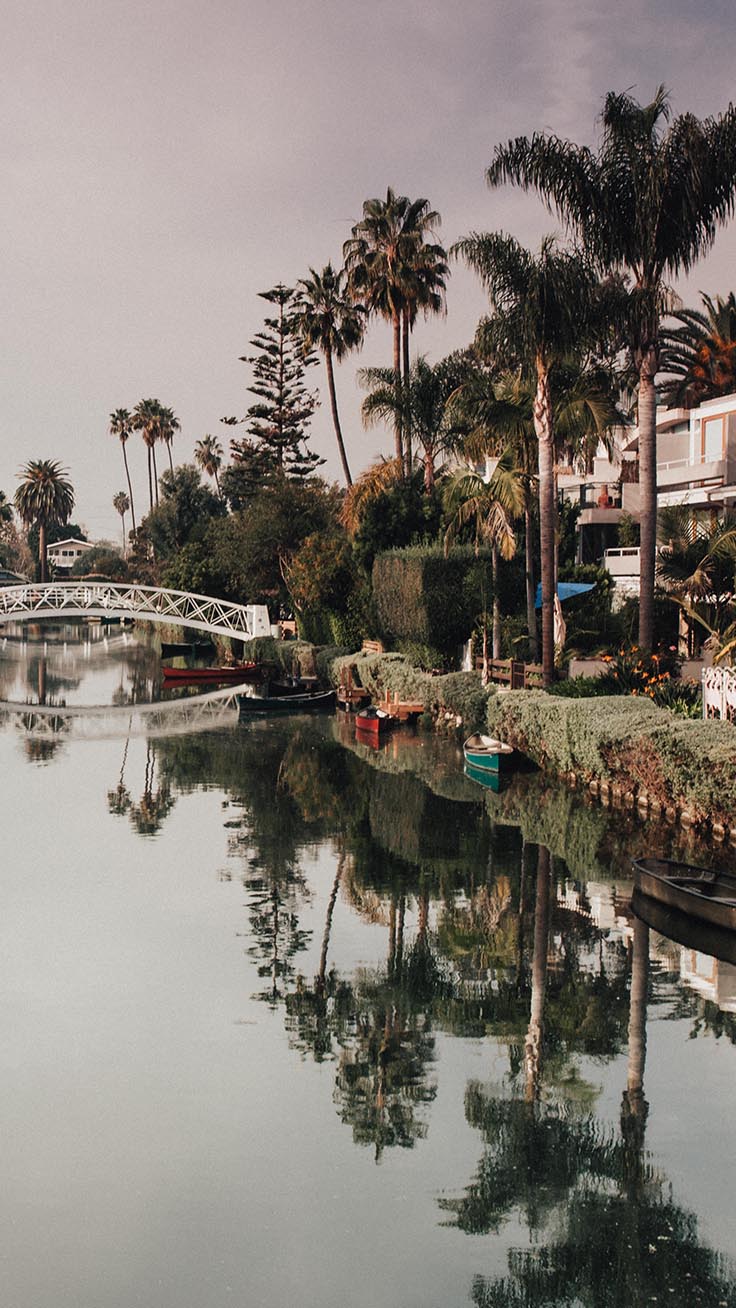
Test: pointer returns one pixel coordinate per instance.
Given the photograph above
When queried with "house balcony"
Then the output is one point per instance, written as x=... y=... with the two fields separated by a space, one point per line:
x=685 y=472
x=623 y=562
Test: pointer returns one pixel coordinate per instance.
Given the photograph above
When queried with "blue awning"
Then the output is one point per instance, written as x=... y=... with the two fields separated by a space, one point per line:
x=566 y=590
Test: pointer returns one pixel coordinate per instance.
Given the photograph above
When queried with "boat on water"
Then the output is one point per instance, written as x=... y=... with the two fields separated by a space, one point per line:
x=174 y=649
x=690 y=932
x=229 y=672
x=486 y=754
x=299 y=701
x=702 y=893
x=372 y=723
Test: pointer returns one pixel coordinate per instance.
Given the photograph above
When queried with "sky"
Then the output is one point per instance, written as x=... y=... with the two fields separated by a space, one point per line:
x=164 y=161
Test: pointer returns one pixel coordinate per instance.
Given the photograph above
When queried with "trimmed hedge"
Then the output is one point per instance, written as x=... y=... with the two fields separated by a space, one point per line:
x=432 y=599
x=679 y=763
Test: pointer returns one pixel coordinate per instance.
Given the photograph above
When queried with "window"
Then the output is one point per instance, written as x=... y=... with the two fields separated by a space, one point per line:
x=711 y=439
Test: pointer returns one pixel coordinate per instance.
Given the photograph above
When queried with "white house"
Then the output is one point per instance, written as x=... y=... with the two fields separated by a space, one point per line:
x=64 y=553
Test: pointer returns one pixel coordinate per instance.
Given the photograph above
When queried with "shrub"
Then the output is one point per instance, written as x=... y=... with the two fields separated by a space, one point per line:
x=461 y=694
x=628 y=739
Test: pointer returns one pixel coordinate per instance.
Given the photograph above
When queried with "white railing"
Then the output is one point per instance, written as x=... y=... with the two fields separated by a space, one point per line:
x=719 y=693
x=153 y=603
x=623 y=562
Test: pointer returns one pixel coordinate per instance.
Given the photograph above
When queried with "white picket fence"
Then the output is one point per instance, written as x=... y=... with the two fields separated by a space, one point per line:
x=719 y=693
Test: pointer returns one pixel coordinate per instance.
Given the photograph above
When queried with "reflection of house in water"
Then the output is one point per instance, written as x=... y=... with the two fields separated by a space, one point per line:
x=608 y=909
x=712 y=979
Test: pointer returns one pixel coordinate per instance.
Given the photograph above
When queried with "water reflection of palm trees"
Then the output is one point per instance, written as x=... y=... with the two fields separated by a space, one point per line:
x=146 y=814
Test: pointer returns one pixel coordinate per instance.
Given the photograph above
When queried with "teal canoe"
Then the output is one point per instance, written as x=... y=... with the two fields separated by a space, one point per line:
x=486 y=754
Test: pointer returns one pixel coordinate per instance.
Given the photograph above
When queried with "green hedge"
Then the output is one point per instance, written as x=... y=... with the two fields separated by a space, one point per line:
x=679 y=763
x=421 y=595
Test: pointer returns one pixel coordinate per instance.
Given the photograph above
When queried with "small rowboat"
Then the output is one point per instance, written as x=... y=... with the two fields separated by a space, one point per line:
x=233 y=672
x=699 y=892
x=172 y=649
x=684 y=929
x=485 y=753
x=484 y=777
x=312 y=701
x=373 y=723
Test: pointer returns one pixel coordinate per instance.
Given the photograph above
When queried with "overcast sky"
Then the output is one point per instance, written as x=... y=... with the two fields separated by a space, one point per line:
x=166 y=160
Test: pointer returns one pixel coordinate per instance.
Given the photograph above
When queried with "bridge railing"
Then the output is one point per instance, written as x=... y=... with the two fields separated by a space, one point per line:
x=156 y=603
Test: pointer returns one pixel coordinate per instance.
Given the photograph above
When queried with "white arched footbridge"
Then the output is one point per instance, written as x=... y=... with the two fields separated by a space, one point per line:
x=82 y=599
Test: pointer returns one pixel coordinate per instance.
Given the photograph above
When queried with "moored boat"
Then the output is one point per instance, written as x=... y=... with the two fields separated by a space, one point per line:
x=698 y=892
x=485 y=753
x=372 y=722
x=686 y=930
x=311 y=701
x=173 y=649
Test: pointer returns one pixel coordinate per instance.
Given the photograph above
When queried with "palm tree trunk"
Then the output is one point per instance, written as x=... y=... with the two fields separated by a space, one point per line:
x=171 y=461
x=531 y=612
x=545 y=437
x=397 y=380
x=155 y=472
x=496 y=603
x=647 y=415
x=130 y=488
x=335 y=418
x=42 y=550
x=406 y=330
x=533 y=1043
x=122 y=526
x=320 y=984
x=150 y=478
x=217 y=482
x=633 y=1105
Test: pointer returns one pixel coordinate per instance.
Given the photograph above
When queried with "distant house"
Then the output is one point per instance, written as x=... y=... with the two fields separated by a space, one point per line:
x=63 y=554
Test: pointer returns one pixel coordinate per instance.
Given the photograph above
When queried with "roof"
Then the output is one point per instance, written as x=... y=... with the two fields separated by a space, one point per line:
x=70 y=540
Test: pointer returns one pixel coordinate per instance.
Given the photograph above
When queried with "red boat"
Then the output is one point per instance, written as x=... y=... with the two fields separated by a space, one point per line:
x=235 y=672
x=372 y=723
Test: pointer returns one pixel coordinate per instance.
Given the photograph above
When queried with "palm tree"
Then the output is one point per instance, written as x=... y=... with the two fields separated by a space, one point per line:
x=328 y=320
x=45 y=497
x=648 y=204
x=208 y=456
x=121 y=425
x=699 y=355
x=147 y=419
x=544 y=308
x=422 y=405
x=489 y=507
x=168 y=425
x=373 y=482
x=383 y=260
x=121 y=504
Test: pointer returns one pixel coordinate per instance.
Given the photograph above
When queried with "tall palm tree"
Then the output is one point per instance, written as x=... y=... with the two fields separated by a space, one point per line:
x=208 y=456
x=147 y=420
x=121 y=425
x=330 y=321
x=373 y=482
x=45 y=498
x=384 y=248
x=699 y=354
x=168 y=425
x=423 y=405
x=647 y=204
x=543 y=311
x=489 y=506
x=121 y=504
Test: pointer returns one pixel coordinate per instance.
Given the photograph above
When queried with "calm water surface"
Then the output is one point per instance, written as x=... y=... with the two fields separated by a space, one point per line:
x=290 y=1022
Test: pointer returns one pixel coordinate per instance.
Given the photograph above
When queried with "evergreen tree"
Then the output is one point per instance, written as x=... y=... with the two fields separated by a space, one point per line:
x=279 y=420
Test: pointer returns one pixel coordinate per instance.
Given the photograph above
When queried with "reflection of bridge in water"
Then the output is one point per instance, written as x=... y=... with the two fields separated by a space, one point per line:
x=173 y=717
x=81 y=599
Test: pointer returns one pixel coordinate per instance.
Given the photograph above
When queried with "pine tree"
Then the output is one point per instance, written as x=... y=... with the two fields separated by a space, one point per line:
x=279 y=421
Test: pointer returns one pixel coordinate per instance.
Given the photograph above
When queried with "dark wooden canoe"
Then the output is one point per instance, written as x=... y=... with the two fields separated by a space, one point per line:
x=312 y=701
x=172 y=649
x=690 y=932
x=702 y=893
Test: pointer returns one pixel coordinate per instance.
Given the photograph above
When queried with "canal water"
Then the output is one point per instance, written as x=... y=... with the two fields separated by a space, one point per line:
x=290 y=1021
